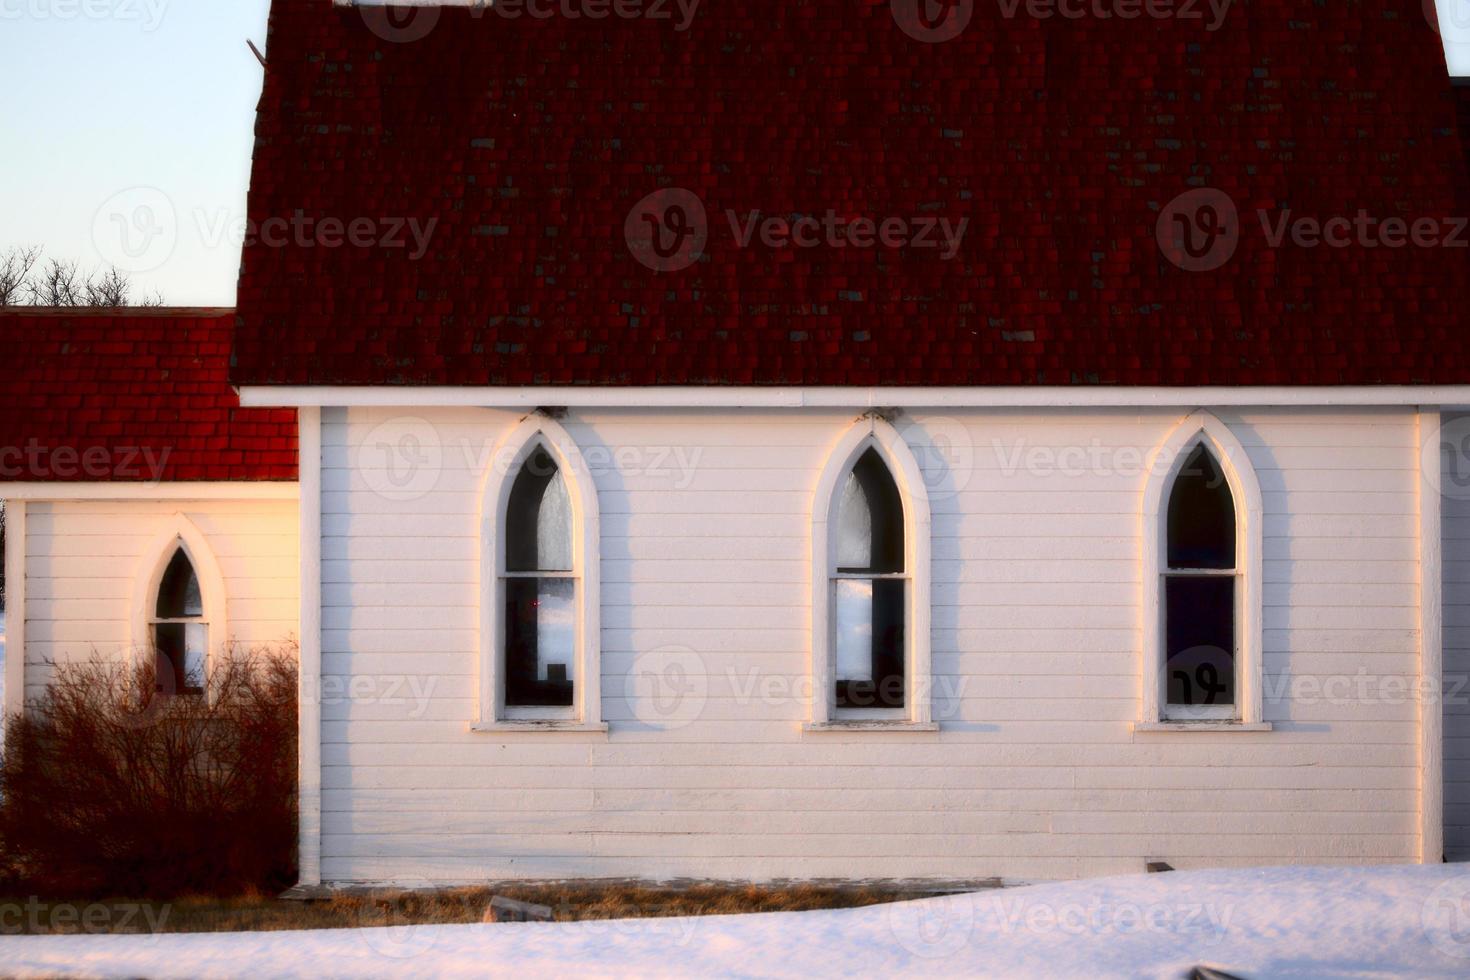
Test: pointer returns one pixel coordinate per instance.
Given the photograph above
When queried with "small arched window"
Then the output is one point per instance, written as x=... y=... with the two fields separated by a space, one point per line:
x=870 y=582
x=180 y=629
x=539 y=584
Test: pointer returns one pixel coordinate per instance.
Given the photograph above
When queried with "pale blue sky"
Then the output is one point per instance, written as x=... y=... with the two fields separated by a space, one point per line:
x=160 y=95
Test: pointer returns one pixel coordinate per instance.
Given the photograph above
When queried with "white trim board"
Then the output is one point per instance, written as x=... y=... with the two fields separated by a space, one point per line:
x=309 y=748
x=149 y=491
x=713 y=396
x=1431 y=653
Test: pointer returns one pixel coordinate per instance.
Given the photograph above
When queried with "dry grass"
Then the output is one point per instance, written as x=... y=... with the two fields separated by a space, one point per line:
x=569 y=902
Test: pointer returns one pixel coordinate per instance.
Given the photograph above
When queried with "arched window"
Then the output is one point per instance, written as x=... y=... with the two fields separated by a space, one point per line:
x=180 y=629
x=1202 y=570
x=539 y=633
x=869 y=582
x=540 y=588
x=1200 y=588
x=870 y=576
x=178 y=607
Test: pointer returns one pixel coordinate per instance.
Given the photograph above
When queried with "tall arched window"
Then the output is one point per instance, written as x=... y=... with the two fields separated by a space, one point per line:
x=180 y=629
x=1202 y=572
x=1200 y=589
x=870 y=577
x=869 y=585
x=539 y=632
x=540 y=588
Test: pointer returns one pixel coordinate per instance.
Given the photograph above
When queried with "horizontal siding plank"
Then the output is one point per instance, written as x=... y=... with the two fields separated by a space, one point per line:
x=756 y=844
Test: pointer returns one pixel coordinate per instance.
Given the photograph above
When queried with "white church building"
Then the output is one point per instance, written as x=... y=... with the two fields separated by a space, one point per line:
x=616 y=545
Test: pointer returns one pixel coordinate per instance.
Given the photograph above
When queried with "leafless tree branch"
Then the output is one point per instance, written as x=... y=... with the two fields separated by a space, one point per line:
x=108 y=288
x=58 y=284
x=24 y=280
x=15 y=271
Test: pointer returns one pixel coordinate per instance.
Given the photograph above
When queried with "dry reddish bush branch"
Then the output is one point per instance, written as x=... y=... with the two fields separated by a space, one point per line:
x=107 y=787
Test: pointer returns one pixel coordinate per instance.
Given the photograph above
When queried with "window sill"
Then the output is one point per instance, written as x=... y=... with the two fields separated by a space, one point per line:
x=549 y=726
x=1201 y=726
x=869 y=725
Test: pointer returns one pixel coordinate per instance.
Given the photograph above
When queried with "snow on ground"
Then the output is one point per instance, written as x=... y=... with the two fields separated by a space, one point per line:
x=1278 y=922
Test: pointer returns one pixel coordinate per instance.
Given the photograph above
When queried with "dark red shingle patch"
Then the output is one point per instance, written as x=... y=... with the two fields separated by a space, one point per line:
x=131 y=396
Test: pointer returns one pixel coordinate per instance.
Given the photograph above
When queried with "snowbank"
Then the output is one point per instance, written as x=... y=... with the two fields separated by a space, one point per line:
x=1279 y=922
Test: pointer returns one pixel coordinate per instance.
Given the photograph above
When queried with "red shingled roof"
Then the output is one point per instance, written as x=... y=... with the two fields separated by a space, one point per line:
x=1061 y=140
x=133 y=395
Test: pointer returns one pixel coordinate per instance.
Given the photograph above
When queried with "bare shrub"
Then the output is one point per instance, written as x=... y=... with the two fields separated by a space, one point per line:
x=109 y=788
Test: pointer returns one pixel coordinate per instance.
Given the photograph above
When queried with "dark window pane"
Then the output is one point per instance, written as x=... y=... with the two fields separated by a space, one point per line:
x=178 y=592
x=540 y=637
x=1199 y=620
x=179 y=657
x=538 y=518
x=870 y=643
x=1201 y=515
x=870 y=520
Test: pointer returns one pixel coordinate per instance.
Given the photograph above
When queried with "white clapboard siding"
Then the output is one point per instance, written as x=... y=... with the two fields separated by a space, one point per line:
x=431 y=733
x=1036 y=771
x=83 y=560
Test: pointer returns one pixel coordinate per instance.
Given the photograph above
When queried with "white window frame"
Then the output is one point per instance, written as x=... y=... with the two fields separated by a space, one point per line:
x=872 y=431
x=585 y=714
x=1202 y=428
x=180 y=532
